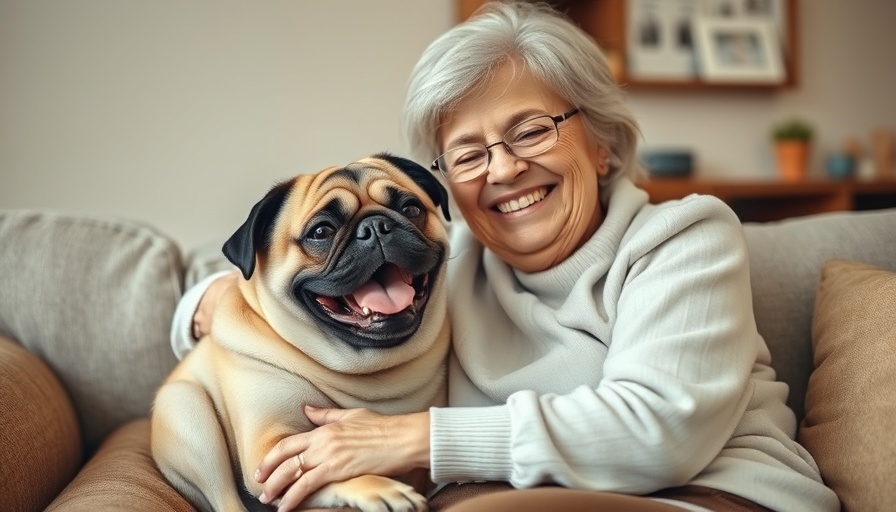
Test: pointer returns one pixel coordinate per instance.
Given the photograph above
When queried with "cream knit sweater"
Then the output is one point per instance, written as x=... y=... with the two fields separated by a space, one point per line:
x=632 y=366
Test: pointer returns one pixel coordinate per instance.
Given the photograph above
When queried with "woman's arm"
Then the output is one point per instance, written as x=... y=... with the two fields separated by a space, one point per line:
x=193 y=316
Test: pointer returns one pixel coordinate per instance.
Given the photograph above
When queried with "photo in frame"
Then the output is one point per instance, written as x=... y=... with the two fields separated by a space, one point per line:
x=742 y=50
x=774 y=11
x=661 y=39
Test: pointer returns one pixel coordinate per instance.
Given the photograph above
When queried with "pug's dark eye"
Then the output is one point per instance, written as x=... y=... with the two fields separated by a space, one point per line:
x=321 y=231
x=412 y=210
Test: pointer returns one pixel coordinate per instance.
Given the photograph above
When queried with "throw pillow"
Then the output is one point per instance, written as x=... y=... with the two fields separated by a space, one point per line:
x=850 y=410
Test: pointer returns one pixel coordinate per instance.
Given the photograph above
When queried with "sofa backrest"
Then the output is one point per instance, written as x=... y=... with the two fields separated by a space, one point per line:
x=785 y=266
x=93 y=297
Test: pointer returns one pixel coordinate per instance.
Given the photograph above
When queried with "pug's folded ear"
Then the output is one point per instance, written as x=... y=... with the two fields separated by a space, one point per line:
x=254 y=235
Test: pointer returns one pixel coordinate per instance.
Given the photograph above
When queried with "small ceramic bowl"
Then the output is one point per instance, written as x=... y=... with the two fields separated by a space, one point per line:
x=668 y=162
x=840 y=165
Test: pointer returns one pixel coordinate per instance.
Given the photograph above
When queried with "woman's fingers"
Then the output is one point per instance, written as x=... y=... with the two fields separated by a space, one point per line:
x=286 y=474
x=295 y=444
x=321 y=416
x=312 y=480
x=282 y=456
x=290 y=482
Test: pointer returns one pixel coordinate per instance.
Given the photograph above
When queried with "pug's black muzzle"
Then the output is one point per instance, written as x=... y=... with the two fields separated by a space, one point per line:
x=384 y=253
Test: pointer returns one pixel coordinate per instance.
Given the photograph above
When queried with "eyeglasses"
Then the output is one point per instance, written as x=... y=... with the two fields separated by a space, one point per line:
x=525 y=140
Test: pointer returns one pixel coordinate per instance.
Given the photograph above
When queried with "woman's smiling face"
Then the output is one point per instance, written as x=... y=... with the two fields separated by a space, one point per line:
x=534 y=212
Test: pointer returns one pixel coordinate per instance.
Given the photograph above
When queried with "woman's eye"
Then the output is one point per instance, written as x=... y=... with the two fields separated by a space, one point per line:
x=530 y=134
x=469 y=158
x=321 y=232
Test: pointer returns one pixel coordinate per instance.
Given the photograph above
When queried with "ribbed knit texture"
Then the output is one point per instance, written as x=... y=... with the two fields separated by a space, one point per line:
x=468 y=435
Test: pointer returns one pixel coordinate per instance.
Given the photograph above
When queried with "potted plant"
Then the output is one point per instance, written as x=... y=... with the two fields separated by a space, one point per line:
x=793 y=141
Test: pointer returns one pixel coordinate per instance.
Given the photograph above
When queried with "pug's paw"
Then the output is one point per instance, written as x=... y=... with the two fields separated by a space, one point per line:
x=370 y=493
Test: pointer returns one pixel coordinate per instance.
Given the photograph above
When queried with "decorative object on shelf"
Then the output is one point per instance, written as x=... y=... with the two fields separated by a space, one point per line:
x=840 y=165
x=666 y=163
x=884 y=143
x=792 y=144
x=741 y=50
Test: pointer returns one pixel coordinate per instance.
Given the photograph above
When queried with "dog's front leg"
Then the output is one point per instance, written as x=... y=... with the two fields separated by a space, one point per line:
x=190 y=448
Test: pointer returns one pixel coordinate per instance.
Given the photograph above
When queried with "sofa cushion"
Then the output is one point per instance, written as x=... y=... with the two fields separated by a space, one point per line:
x=785 y=258
x=40 y=450
x=94 y=298
x=850 y=406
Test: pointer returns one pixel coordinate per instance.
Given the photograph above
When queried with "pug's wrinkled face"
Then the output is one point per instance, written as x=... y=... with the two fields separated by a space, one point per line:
x=359 y=247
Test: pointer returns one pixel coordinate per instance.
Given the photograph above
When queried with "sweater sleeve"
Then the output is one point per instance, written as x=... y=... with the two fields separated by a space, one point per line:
x=676 y=378
x=182 y=340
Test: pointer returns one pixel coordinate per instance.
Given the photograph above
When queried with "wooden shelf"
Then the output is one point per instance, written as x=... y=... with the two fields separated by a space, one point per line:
x=605 y=21
x=762 y=201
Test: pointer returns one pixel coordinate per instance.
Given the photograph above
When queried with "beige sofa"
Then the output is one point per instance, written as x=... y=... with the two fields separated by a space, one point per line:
x=86 y=303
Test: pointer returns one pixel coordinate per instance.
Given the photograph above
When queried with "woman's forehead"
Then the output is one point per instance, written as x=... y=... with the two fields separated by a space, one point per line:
x=511 y=96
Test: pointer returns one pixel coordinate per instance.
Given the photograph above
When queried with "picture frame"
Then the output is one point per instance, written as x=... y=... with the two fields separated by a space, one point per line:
x=660 y=39
x=740 y=50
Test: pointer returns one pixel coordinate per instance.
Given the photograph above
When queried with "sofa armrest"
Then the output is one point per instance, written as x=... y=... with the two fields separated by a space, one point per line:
x=40 y=443
x=121 y=476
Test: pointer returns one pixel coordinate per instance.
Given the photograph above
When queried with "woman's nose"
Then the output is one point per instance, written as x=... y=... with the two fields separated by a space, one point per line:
x=504 y=166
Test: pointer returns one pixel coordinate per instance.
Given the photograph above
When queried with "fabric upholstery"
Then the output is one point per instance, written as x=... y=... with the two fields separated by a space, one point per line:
x=121 y=476
x=94 y=299
x=204 y=261
x=785 y=258
x=40 y=444
x=850 y=406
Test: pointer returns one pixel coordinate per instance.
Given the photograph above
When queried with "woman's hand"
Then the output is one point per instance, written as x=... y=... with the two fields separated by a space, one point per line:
x=202 y=319
x=347 y=443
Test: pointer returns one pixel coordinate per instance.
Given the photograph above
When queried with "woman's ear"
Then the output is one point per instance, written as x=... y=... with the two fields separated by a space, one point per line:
x=603 y=159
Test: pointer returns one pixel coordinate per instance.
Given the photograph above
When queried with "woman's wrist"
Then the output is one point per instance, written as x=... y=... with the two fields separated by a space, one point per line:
x=415 y=448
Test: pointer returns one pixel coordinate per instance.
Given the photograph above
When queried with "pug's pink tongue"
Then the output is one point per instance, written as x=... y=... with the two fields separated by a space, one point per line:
x=386 y=293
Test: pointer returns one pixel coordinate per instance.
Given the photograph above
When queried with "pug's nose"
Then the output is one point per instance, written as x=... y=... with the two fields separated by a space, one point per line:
x=372 y=227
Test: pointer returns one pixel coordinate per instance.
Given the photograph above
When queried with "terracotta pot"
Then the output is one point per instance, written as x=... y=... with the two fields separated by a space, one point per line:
x=793 y=159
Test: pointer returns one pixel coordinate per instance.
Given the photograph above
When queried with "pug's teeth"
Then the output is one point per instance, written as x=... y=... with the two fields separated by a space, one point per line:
x=365 y=311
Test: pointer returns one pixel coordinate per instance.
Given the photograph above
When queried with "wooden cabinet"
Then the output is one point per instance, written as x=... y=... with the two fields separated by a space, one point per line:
x=761 y=201
x=606 y=22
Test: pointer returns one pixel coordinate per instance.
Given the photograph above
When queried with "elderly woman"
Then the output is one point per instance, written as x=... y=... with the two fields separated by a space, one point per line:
x=603 y=345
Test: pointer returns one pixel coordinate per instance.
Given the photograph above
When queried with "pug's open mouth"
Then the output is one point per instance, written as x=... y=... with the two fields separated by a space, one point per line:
x=390 y=291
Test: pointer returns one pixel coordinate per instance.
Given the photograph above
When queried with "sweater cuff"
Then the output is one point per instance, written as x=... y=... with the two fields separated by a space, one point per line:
x=182 y=340
x=470 y=444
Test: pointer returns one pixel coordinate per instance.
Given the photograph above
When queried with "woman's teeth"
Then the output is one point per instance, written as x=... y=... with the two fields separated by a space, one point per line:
x=522 y=202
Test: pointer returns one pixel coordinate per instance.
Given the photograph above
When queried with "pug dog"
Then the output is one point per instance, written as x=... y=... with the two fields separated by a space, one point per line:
x=343 y=304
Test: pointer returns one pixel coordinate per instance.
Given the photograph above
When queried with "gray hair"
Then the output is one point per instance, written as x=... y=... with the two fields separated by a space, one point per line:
x=553 y=49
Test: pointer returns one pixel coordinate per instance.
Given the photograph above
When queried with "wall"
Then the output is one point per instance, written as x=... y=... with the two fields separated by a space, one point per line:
x=183 y=113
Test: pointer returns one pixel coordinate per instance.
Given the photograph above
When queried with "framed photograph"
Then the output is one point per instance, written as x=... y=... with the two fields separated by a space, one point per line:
x=771 y=10
x=742 y=50
x=660 y=39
